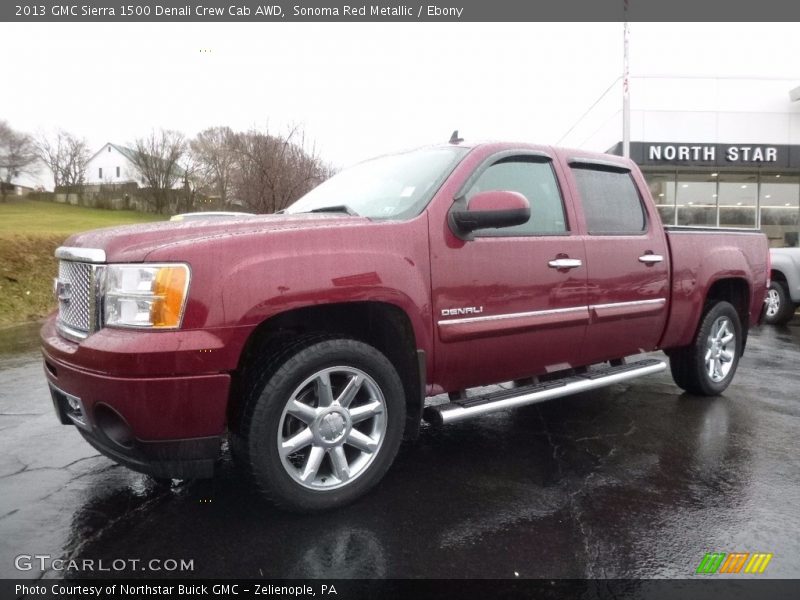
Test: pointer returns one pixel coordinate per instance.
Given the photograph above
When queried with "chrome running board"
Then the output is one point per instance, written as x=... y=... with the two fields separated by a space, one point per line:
x=592 y=379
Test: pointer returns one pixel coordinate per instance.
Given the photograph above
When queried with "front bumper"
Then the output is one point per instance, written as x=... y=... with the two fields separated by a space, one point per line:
x=166 y=426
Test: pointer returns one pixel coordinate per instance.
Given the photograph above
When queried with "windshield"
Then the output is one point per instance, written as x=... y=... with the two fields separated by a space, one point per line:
x=397 y=186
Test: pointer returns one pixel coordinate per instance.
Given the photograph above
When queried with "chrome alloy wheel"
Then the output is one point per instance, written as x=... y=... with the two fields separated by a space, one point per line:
x=773 y=302
x=332 y=428
x=720 y=349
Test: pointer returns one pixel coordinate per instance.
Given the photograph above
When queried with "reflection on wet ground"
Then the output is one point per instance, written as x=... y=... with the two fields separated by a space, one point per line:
x=633 y=481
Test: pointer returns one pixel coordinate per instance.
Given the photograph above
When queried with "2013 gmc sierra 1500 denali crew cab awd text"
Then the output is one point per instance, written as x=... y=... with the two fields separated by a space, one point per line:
x=312 y=338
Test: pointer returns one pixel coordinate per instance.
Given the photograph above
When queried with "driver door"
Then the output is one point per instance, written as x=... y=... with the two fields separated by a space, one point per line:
x=512 y=302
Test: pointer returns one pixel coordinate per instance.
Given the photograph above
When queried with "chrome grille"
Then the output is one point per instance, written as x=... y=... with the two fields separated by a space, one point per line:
x=74 y=293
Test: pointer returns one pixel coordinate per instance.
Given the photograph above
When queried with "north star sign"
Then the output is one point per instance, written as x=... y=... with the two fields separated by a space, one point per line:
x=688 y=154
x=706 y=153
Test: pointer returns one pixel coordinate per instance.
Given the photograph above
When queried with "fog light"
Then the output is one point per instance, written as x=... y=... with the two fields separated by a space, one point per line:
x=74 y=404
x=111 y=423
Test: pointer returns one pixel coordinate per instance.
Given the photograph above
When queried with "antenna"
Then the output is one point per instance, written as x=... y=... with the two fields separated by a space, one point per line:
x=454 y=139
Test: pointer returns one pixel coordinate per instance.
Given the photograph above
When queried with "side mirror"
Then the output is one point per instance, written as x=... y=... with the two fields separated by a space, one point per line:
x=490 y=210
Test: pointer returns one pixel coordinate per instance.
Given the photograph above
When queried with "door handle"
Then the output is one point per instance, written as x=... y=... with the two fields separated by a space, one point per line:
x=650 y=259
x=565 y=263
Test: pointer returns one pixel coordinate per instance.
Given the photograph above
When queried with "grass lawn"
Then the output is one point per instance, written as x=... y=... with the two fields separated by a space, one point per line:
x=30 y=232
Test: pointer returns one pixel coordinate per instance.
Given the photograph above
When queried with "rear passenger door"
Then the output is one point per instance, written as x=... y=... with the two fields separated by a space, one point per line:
x=627 y=262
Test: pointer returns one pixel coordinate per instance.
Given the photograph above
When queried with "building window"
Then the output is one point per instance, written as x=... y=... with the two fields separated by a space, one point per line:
x=696 y=199
x=117 y=172
x=737 y=199
x=109 y=148
x=779 y=200
x=100 y=173
x=662 y=189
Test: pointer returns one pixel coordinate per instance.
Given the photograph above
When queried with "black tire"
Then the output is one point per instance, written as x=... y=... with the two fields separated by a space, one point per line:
x=266 y=422
x=780 y=308
x=688 y=365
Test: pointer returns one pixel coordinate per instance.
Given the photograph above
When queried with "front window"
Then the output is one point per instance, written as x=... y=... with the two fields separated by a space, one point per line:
x=397 y=186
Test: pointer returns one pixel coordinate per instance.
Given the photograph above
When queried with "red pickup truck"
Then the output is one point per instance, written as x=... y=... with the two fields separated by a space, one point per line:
x=311 y=339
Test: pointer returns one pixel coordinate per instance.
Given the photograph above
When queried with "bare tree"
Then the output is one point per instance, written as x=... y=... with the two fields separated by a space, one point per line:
x=157 y=158
x=17 y=154
x=272 y=171
x=67 y=156
x=193 y=181
x=213 y=154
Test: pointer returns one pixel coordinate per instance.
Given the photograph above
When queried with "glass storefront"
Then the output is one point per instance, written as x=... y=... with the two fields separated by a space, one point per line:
x=779 y=201
x=741 y=199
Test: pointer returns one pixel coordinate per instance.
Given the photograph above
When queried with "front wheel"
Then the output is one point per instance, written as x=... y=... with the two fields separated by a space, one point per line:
x=780 y=308
x=326 y=425
x=707 y=366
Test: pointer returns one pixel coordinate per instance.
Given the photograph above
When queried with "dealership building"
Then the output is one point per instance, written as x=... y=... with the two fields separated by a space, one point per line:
x=716 y=152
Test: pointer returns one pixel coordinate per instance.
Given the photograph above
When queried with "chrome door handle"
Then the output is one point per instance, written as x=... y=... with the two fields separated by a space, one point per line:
x=565 y=263
x=650 y=259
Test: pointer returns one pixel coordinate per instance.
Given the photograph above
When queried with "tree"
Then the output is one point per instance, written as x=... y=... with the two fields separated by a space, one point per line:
x=213 y=154
x=67 y=156
x=193 y=182
x=272 y=171
x=17 y=154
x=157 y=158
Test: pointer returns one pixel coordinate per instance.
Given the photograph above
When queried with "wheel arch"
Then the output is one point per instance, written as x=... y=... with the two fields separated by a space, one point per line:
x=736 y=291
x=385 y=326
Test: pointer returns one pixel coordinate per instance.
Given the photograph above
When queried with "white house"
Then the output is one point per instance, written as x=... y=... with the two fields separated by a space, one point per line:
x=34 y=177
x=115 y=164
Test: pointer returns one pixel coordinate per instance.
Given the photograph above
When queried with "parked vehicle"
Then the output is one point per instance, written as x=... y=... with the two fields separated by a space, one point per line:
x=312 y=338
x=783 y=297
x=210 y=214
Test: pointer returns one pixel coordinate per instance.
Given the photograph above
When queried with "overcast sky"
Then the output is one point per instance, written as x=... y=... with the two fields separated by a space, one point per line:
x=359 y=89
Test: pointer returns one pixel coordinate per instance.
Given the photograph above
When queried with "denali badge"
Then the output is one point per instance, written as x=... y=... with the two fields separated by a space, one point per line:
x=467 y=310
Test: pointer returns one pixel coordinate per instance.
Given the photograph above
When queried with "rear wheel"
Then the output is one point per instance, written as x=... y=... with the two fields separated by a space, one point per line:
x=707 y=366
x=324 y=427
x=780 y=308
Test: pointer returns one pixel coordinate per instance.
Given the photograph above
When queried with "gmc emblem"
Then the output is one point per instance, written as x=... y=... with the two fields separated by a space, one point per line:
x=62 y=290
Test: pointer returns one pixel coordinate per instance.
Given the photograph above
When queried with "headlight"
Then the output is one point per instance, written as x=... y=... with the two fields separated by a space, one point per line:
x=149 y=296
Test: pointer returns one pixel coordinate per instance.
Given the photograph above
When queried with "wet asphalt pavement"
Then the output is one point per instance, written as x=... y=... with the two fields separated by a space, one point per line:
x=635 y=481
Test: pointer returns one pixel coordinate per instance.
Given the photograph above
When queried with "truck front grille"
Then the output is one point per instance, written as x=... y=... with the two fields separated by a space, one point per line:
x=74 y=291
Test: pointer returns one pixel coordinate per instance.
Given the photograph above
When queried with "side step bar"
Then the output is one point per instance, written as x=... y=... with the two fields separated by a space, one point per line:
x=477 y=406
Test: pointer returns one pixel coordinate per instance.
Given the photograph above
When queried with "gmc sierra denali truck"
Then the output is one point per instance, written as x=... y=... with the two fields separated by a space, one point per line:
x=311 y=339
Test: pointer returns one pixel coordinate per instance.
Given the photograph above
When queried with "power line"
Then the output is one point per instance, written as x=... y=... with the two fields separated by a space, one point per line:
x=588 y=110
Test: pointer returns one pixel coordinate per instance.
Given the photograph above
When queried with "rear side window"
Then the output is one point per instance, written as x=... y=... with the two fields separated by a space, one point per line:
x=610 y=200
x=535 y=180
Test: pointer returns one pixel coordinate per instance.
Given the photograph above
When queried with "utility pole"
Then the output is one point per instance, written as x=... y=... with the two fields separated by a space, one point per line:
x=626 y=96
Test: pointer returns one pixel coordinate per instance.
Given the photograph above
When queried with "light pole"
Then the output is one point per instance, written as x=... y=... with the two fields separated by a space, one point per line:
x=626 y=97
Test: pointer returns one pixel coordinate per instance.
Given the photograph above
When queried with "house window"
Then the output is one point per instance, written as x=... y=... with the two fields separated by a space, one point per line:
x=109 y=148
x=100 y=173
x=117 y=172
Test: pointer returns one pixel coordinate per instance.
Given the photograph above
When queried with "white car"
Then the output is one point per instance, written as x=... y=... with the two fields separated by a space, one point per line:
x=783 y=296
x=208 y=215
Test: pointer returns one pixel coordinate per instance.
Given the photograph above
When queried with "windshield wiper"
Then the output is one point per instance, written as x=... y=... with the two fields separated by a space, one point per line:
x=343 y=208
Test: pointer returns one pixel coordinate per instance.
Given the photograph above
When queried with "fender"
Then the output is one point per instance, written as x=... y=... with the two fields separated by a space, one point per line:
x=692 y=279
x=299 y=270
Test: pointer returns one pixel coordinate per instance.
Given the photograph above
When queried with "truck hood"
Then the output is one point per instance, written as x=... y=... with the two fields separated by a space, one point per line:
x=133 y=243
